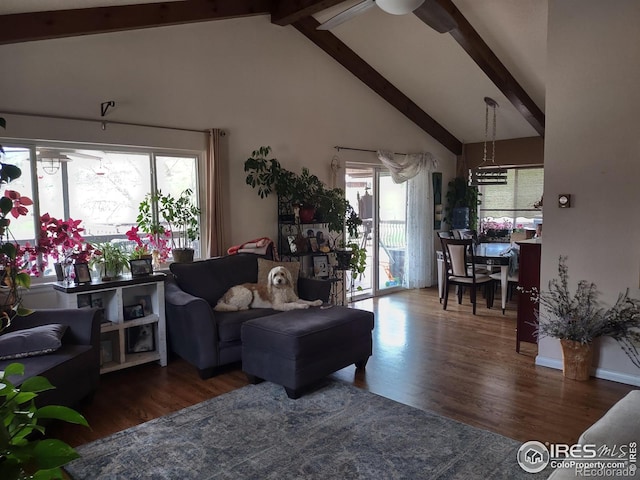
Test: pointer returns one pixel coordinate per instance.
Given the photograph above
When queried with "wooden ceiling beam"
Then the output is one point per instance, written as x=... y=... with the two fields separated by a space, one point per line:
x=286 y=12
x=480 y=52
x=374 y=80
x=24 y=27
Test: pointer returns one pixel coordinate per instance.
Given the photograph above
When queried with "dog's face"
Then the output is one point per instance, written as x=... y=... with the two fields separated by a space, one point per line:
x=145 y=331
x=279 y=277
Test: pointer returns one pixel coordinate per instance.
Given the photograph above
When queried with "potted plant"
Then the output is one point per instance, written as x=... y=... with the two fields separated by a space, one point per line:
x=62 y=240
x=266 y=174
x=462 y=201
x=111 y=258
x=181 y=216
x=579 y=319
x=23 y=452
x=305 y=191
x=12 y=256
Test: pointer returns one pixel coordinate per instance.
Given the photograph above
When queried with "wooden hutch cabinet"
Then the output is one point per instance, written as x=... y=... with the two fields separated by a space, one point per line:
x=528 y=278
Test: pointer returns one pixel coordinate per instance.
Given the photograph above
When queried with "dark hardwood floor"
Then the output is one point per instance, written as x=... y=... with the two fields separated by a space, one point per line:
x=461 y=366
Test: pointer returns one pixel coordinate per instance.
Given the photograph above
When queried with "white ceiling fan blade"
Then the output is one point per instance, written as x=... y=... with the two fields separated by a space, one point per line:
x=84 y=156
x=348 y=14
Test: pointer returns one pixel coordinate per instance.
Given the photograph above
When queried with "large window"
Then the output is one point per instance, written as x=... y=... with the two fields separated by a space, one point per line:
x=103 y=188
x=513 y=206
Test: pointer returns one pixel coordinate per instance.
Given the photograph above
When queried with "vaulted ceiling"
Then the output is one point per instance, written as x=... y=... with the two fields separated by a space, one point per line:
x=496 y=48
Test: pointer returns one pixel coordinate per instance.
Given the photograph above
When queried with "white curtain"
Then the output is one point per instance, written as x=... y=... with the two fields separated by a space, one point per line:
x=416 y=169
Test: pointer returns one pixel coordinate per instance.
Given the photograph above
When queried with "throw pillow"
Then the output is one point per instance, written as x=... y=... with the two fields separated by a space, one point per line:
x=31 y=341
x=265 y=266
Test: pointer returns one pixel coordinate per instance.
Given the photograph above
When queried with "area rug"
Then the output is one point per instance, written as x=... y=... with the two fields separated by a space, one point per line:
x=335 y=432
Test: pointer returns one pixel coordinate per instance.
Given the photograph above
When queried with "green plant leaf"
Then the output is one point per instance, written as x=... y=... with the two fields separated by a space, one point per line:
x=22 y=311
x=9 y=172
x=9 y=249
x=58 y=412
x=6 y=204
x=36 y=384
x=52 y=453
x=49 y=474
x=23 y=279
x=24 y=397
x=14 y=369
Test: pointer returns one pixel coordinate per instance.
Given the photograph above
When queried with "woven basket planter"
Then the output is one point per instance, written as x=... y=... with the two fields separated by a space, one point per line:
x=576 y=359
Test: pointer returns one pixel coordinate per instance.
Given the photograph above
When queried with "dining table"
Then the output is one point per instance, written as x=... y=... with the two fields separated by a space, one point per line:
x=493 y=255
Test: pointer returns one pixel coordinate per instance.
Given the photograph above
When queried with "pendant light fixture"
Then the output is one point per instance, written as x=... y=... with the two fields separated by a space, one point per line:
x=488 y=172
x=51 y=160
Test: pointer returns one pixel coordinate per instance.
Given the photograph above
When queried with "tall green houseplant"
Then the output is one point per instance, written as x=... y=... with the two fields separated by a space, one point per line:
x=181 y=216
x=461 y=195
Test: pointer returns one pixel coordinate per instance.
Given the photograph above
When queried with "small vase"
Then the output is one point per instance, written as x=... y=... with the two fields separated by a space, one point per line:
x=68 y=274
x=307 y=214
x=576 y=359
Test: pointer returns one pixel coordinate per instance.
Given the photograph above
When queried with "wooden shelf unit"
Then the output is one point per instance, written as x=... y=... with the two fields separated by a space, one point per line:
x=113 y=297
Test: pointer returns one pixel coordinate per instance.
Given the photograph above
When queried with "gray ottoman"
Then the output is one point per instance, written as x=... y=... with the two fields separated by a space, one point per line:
x=296 y=348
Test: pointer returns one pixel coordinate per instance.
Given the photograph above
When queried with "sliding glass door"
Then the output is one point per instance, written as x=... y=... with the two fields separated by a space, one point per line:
x=382 y=206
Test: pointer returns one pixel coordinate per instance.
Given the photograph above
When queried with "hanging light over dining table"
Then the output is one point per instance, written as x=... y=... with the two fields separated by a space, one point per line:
x=488 y=172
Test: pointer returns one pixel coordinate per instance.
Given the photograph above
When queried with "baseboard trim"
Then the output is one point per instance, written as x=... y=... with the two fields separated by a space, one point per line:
x=617 y=377
x=549 y=362
x=595 y=372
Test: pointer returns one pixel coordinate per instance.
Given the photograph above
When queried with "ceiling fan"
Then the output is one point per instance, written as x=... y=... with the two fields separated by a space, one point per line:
x=429 y=11
x=89 y=155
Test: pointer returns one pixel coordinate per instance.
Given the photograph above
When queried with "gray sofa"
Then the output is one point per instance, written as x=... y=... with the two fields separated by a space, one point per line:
x=74 y=368
x=209 y=339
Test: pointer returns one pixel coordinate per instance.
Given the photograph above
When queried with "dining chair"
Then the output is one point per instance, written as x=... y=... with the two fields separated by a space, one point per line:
x=460 y=270
x=512 y=275
x=512 y=283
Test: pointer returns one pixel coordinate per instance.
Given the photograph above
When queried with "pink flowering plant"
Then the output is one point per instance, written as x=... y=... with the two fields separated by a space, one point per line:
x=62 y=240
x=490 y=223
x=150 y=243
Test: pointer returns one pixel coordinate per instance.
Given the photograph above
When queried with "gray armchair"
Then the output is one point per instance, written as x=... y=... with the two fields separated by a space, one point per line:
x=74 y=369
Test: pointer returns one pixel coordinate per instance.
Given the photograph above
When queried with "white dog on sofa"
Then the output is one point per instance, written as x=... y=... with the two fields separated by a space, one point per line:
x=277 y=294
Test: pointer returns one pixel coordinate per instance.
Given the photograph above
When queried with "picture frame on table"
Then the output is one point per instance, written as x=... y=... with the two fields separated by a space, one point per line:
x=291 y=240
x=131 y=312
x=83 y=275
x=140 y=267
x=313 y=244
x=84 y=300
x=96 y=301
x=59 y=271
x=321 y=266
x=140 y=339
x=145 y=301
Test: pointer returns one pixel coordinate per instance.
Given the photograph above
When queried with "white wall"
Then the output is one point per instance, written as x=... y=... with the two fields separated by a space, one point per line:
x=592 y=151
x=263 y=84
